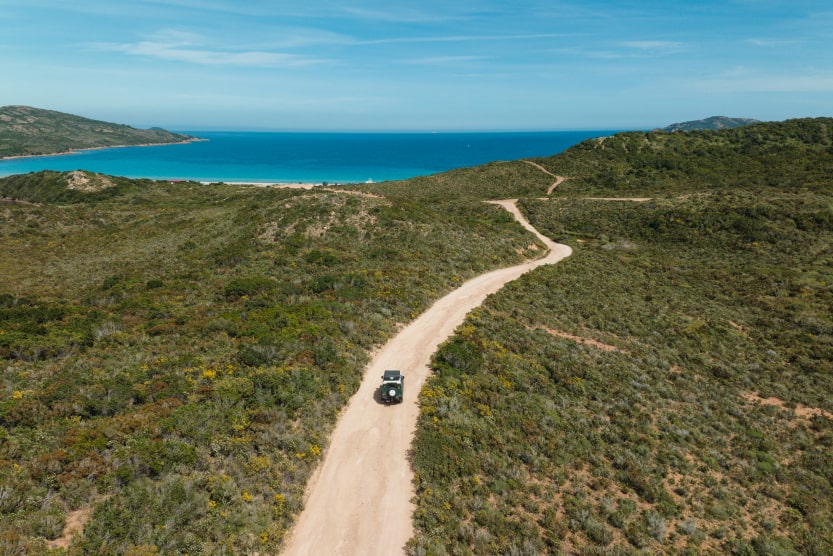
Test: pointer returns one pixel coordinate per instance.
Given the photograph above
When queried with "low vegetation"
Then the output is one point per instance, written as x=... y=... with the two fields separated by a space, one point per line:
x=174 y=355
x=496 y=180
x=696 y=417
x=713 y=123
x=793 y=155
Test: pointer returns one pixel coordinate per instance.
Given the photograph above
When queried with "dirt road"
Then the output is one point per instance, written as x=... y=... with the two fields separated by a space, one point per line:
x=359 y=501
x=558 y=179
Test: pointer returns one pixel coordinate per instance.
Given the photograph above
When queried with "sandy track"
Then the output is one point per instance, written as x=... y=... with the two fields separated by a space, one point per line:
x=359 y=500
x=558 y=179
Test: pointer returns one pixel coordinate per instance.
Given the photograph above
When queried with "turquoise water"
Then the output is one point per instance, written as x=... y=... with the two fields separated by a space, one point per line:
x=308 y=157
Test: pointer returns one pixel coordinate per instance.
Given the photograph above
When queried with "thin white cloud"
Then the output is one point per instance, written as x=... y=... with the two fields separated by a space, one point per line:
x=296 y=37
x=195 y=4
x=444 y=60
x=462 y=38
x=771 y=43
x=623 y=50
x=654 y=47
x=768 y=84
x=180 y=46
x=391 y=15
x=602 y=54
x=213 y=57
x=292 y=10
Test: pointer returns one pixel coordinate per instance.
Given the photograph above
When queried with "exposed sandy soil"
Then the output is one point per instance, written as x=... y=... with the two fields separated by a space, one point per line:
x=800 y=411
x=88 y=181
x=359 y=501
x=75 y=522
x=580 y=340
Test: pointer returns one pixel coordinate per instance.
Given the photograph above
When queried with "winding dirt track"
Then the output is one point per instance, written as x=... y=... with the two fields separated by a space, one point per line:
x=359 y=501
x=558 y=179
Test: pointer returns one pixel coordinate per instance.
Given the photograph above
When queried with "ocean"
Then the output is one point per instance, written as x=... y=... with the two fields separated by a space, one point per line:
x=284 y=157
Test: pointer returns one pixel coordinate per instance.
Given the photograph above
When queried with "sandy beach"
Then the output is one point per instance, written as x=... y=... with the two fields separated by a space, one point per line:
x=266 y=184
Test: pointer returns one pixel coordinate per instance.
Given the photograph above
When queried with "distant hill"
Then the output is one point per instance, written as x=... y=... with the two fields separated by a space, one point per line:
x=655 y=163
x=714 y=123
x=27 y=131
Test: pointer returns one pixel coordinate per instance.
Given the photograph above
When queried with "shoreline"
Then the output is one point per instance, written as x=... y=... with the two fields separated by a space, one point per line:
x=85 y=149
x=281 y=184
x=288 y=185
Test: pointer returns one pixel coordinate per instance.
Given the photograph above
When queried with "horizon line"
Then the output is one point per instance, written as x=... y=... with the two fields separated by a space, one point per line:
x=188 y=129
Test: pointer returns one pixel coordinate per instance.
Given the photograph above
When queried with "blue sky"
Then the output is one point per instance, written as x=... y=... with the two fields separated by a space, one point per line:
x=427 y=65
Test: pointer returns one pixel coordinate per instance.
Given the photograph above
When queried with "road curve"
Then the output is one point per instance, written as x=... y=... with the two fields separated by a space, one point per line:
x=359 y=500
x=558 y=179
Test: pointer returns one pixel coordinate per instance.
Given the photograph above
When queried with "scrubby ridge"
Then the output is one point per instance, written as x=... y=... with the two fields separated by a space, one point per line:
x=795 y=154
x=174 y=355
x=717 y=295
x=712 y=123
x=27 y=131
x=493 y=181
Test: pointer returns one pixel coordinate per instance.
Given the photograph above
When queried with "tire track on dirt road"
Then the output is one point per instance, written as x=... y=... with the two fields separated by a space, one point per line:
x=359 y=500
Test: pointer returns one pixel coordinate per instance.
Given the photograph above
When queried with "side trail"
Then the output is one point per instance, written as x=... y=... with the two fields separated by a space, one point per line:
x=558 y=179
x=359 y=500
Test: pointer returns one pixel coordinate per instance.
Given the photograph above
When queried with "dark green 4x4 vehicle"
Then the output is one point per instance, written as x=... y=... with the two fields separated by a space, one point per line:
x=393 y=385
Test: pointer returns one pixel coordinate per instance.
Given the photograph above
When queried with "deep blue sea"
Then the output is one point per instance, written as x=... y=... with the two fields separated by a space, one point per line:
x=307 y=157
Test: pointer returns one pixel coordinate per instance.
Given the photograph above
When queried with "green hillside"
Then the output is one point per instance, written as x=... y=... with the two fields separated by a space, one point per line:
x=174 y=355
x=27 y=131
x=666 y=389
x=712 y=123
x=794 y=154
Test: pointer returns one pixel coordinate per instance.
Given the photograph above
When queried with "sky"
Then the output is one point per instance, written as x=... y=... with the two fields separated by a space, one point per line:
x=428 y=65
